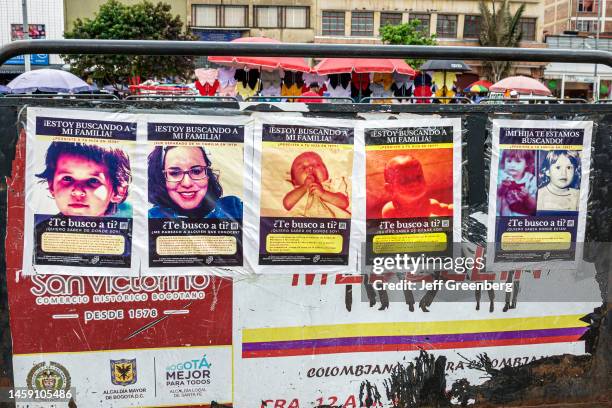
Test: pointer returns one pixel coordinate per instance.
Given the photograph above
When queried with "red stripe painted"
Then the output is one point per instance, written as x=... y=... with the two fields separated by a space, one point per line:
x=407 y=347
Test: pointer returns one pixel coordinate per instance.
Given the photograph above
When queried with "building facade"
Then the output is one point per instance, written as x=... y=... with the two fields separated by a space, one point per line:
x=454 y=22
x=582 y=16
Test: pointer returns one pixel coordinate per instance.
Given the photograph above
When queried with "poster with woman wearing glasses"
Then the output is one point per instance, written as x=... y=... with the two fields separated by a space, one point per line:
x=194 y=190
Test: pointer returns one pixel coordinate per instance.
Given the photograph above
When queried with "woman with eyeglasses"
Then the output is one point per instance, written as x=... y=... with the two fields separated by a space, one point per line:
x=182 y=183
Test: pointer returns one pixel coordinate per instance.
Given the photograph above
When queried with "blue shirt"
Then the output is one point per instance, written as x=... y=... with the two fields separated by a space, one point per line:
x=226 y=207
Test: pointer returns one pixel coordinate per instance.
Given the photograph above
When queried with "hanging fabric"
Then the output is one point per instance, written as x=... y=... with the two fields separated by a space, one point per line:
x=227 y=81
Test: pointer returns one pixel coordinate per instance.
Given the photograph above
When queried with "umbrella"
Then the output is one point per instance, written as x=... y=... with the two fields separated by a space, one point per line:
x=267 y=63
x=522 y=85
x=4 y=89
x=47 y=80
x=479 y=86
x=445 y=66
x=362 y=65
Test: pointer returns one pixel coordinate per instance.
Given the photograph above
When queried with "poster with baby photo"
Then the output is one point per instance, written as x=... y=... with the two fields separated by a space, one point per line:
x=413 y=187
x=80 y=195
x=195 y=192
x=303 y=192
x=538 y=191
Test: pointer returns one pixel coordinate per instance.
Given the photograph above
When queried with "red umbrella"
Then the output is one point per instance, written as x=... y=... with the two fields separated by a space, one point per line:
x=267 y=63
x=522 y=85
x=362 y=65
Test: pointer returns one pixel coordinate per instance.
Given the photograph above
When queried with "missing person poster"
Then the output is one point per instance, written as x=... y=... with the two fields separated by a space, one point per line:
x=413 y=187
x=79 y=193
x=538 y=190
x=303 y=176
x=195 y=177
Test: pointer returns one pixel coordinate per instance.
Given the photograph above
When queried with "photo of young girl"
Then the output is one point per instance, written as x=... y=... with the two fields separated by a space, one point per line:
x=559 y=180
x=87 y=180
x=516 y=183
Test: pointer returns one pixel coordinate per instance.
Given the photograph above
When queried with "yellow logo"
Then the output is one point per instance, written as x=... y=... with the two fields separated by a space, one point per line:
x=123 y=372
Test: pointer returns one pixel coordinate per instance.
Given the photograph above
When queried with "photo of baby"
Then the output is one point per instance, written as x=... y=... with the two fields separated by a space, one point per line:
x=409 y=184
x=559 y=180
x=516 y=183
x=315 y=184
x=87 y=180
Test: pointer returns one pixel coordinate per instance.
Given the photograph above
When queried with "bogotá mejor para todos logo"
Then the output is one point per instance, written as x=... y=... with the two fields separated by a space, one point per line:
x=52 y=376
x=123 y=372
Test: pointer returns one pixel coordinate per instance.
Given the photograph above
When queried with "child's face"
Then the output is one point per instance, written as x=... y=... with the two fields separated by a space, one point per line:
x=408 y=182
x=187 y=193
x=561 y=172
x=308 y=165
x=515 y=167
x=81 y=187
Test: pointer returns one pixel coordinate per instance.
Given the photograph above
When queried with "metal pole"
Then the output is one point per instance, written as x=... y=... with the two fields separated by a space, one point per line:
x=562 y=86
x=206 y=48
x=26 y=32
x=595 y=79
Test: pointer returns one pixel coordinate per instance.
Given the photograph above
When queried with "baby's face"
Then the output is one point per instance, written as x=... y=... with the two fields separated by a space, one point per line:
x=81 y=187
x=515 y=167
x=309 y=166
x=561 y=172
x=408 y=183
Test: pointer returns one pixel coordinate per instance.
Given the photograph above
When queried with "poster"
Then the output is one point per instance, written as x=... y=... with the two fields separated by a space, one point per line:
x=538 y=191
x=115 y=340
x=311 y=350
x=35 y=32
x=303 y=195
x=195 y=190
x=413 y=187
x=81 y=182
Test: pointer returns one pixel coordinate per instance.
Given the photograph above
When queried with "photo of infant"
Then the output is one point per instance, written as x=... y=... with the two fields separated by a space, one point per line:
x=409 y=184
x=516 y=183
x=559 y=180
x=298 y=183
x=87 y=180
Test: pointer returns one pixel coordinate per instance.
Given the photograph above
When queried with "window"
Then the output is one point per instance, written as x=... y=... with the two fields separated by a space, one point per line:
x=423 y=18
x=362 y=23
x=528 y=26
x=281 y=17
x=333 y=23
x=588 y=26
x=587 y=6
x=297 y=17
x=267 y=17
x=471 y=27
x=205 y=15
x=390 y=19
x=447 y=26
x=235 y=16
